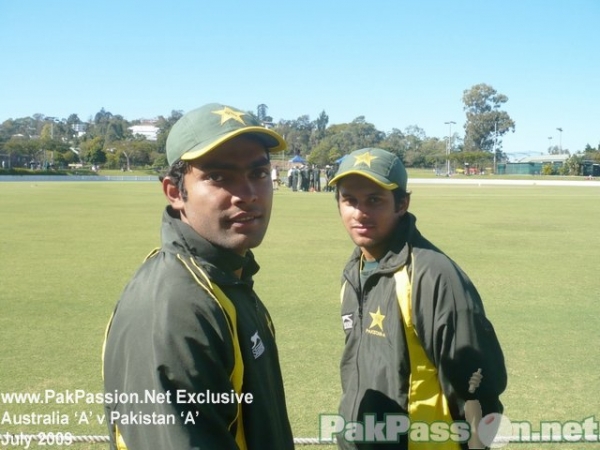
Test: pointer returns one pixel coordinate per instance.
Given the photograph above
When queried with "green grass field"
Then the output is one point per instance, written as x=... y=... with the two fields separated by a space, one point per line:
x=68 y=248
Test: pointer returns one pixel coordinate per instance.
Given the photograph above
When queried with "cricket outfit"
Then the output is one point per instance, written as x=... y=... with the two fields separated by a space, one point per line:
x=186 y=324
x=416 y=331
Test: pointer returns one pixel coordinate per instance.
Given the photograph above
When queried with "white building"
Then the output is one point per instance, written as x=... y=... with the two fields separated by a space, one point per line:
x=149 y=131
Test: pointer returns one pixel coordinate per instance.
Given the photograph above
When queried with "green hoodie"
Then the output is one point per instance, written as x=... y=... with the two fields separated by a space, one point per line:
x=449 y=320
x=191 y=340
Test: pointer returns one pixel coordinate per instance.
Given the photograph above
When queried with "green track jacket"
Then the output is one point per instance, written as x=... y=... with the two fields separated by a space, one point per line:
x=176 y=353
x=450 y=322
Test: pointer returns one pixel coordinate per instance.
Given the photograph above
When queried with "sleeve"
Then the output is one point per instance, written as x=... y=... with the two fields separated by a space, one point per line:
x=187 y=358
x=469 y=344
x=462 y=339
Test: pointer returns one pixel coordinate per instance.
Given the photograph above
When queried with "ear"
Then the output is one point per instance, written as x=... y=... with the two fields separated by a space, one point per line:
x=173 y=194
x=404 y=204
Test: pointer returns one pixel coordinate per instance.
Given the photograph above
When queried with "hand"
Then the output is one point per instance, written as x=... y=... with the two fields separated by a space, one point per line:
x=473 y=417
x=473 y=411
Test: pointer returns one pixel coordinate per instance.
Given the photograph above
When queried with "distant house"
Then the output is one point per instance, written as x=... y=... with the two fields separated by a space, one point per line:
x=531 y=165
x=79 y=128
x=545 y=159
x=590 y=168
x=147 y=130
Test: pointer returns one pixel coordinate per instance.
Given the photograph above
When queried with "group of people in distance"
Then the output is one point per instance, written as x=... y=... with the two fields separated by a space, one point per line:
x=309 y=178
x=417 y=340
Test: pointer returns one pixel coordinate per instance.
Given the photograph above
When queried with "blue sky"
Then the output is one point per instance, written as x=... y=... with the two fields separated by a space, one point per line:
x=398 y=63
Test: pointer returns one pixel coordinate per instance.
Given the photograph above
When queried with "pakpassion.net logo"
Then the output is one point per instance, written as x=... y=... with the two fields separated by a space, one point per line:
x=494 y=430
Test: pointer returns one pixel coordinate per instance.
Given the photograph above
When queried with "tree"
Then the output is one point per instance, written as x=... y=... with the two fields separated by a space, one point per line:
x=102 y=116
x=433 y=152
x=363 y=134
x=319 y=129
x=321 y=122
x=572 y=166
x=297 y=133
x=557 y=150
x=414 y=148
x=92 y=150
x=486 y=123
x=412 y=143
x=331 y=147
x=478 y=160
x=394 y=142
x=73 y=119
x=133 y=152
x=342 y=139
x=22 y=148
x=164 y=126
x=47 y=132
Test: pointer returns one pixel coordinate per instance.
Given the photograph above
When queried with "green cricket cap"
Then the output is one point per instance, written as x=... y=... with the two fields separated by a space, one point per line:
x=378 y=165
x=203 y=129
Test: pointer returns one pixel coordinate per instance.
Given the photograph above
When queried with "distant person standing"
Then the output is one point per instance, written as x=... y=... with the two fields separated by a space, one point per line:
x=316 y=178
x=329 y=174
x=304 y=178
x=295 y=179
x=275 y=177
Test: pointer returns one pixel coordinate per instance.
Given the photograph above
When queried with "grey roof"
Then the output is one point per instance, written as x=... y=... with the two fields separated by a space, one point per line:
x=544 y=159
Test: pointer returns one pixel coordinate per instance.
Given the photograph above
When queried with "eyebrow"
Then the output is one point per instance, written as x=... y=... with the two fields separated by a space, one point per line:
x=223 y=165
x=368 y=194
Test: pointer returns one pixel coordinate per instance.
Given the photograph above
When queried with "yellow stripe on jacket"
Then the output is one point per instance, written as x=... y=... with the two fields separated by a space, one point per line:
x=426 y=401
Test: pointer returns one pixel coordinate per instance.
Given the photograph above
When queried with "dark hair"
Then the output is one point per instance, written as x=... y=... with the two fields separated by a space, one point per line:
x=176 y=173
x=399 y=196
x=398 y=193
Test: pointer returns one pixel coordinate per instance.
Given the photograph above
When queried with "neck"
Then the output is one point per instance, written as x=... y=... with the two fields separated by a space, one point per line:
x=368 y=256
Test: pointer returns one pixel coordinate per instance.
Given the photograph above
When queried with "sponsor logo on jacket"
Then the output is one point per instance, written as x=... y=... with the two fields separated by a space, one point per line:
x=347 y=321
x=258 y=348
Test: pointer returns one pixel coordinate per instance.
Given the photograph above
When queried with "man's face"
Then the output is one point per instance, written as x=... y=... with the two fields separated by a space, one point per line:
x=230 y=195
x=369 y=214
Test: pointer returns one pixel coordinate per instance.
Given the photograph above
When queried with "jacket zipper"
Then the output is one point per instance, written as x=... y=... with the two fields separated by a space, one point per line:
x=360 y=296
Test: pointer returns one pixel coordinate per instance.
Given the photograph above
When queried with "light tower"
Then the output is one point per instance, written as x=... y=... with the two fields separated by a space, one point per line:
x=449 y=146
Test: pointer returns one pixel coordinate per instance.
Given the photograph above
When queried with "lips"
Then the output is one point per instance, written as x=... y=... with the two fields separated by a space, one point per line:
x=244 y=218
x=363 y=229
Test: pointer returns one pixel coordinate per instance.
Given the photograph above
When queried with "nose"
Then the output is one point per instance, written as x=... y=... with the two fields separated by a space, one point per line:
x=246 y=192
x=359 y=212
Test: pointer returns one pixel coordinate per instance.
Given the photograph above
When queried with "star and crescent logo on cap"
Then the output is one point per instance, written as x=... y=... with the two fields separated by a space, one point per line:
x=230 y=114
x=365 y=158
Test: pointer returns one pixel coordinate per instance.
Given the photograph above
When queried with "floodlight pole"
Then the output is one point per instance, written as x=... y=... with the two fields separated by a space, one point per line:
x=495 y=144
x=449 y=146
x=560 y=140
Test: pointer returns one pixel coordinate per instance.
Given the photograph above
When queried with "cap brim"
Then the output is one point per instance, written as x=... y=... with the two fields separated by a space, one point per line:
x=362 y=173
x=272 y=141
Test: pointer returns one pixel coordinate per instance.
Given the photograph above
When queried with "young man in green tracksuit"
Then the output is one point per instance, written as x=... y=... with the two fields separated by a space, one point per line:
x=418 y=343
x=190 y=359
